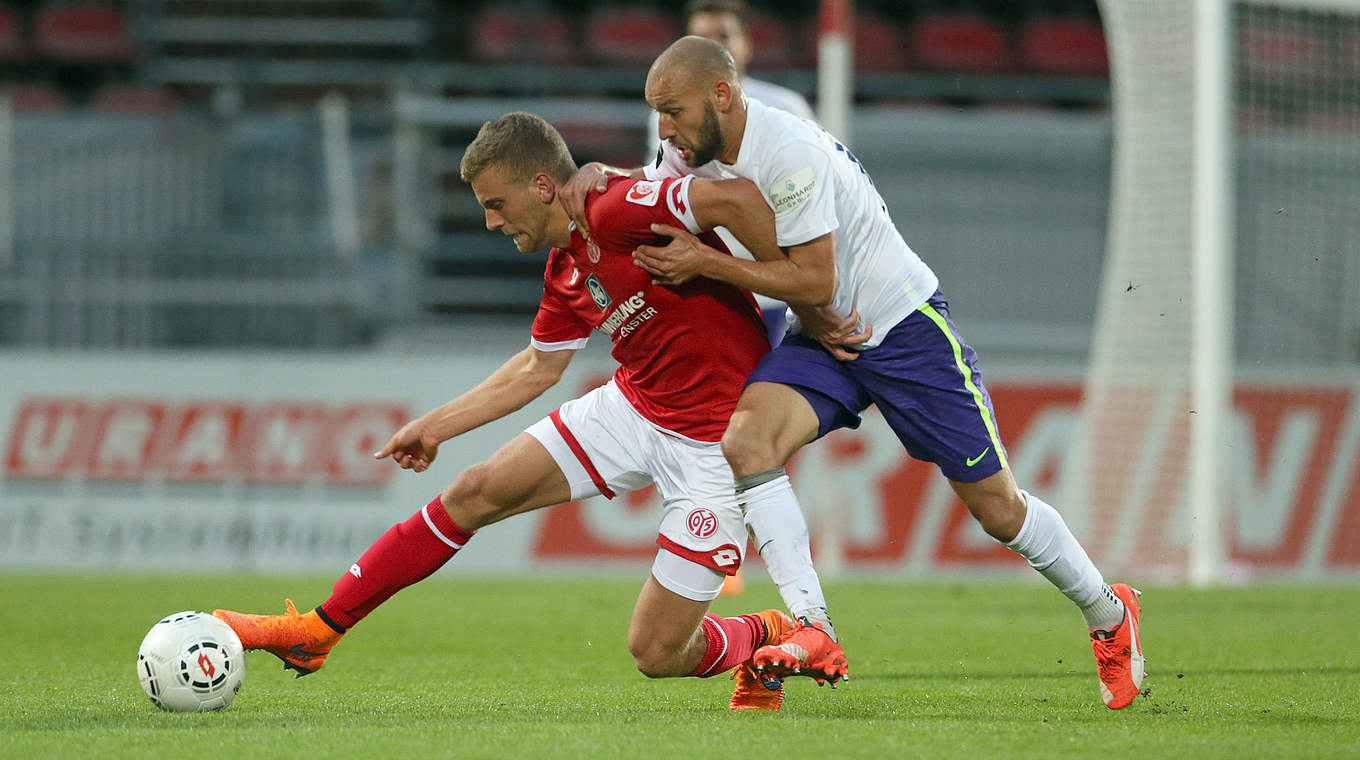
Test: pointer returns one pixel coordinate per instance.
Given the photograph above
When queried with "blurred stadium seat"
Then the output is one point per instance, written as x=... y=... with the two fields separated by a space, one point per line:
x=1064 y=45
x=879 y=45
x=1279 y=51
x=34 y=98
x=1338 y=121
x=962 y=42
x=83 y=33
x=628 y=36
x=515 y=34
x=1350 y=52
x=769 y=41
x=13 y=45
x=133 y=99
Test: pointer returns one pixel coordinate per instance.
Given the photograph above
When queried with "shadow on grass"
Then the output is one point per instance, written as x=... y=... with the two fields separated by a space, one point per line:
x=1153 y=671
x=976 y=675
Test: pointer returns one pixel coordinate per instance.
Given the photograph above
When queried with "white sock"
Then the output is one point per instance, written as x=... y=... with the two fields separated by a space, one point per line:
x=781 y=536
x=1050 y=547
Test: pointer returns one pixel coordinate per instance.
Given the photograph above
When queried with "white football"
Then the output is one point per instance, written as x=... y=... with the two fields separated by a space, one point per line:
x=191 y=661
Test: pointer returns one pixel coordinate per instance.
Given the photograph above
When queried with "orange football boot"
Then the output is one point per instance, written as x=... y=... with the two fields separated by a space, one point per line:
x=301 y=641
x=753 y=691
x=807 y=650
x=1119 y=653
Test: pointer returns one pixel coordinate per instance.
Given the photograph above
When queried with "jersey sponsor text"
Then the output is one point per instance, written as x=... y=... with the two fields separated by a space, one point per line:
x=633 y=305
x=793 y=189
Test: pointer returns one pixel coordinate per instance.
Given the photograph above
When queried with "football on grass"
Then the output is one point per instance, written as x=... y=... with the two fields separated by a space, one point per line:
x=190 y=662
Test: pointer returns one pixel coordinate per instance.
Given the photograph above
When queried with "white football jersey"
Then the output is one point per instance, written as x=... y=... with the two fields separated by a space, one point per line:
x=815 y=186
x=772 y=95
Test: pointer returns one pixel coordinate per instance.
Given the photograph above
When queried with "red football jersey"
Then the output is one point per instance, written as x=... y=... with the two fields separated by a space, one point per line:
x=684 y=352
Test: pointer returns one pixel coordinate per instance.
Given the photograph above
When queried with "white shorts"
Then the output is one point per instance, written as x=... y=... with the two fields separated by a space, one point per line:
x=604 y=446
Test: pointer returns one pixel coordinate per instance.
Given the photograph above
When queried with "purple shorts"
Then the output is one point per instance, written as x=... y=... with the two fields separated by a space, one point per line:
x=922 y=377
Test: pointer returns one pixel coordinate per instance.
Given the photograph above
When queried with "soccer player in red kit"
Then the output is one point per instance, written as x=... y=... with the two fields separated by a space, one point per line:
x=684 y=354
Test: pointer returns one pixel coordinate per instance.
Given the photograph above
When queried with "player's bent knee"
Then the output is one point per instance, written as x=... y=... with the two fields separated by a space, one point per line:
x=999 y=516
x=468 y=501
x=652 y=660
x=747 y=448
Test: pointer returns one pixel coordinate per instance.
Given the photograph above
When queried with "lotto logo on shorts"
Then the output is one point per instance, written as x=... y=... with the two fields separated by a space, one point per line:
x=701 y=522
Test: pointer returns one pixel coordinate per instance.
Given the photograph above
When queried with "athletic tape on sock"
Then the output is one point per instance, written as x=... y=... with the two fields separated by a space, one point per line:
x=747 y=482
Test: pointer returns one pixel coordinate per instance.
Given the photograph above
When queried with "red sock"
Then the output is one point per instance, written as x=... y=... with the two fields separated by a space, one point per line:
x=731 y=641
x=408 y=552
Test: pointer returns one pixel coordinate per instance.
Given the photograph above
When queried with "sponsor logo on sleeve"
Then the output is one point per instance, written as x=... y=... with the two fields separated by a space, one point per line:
x=676 y=198
x=644 y=192
x=791 y=191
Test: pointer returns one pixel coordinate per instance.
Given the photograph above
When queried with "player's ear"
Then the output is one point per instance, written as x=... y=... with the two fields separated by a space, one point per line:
x=544 y=188
x=722 y=95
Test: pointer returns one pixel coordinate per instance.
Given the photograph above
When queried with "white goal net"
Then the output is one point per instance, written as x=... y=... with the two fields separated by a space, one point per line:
x=1233 y=252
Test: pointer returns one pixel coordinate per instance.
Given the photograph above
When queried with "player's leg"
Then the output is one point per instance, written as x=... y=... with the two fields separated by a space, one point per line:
x=1037 y=532
x=702 y=538
x=1044 y=540
x=665 y=634
x=672 y=633
x=925 y=380
x=521 y=476
x=774 y=314
x=797 y=394
x=771 y=422
x=537 y=468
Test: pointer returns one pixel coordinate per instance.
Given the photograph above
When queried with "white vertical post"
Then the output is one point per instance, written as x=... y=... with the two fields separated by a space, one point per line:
x=1211 y=370
x=410 y=224
x=6 y=180
x=835 y=97
x=344 y=209
x=835 y=67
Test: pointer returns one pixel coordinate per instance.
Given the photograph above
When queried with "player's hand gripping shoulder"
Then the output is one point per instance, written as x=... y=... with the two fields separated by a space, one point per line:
x=412 y=447
x=838 y=335
x=591 y=178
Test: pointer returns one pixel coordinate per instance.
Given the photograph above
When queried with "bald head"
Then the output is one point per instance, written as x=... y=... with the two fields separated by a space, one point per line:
x=694 y=62
x=701 y=111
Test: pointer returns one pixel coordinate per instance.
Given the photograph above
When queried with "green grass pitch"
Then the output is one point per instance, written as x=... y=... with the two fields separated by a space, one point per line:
x=530 y=668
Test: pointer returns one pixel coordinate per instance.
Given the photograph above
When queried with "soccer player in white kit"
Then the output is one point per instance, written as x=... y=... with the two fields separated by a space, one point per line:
x=905 y=356
x=724 y=21
x=659 y=419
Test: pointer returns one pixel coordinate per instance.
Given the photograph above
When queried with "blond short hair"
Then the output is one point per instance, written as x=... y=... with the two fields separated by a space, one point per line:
x=522 y=145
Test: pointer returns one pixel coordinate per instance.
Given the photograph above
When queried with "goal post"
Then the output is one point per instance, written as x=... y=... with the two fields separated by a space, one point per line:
x=835 y=67
x=1211 y=245
x=1236 y=159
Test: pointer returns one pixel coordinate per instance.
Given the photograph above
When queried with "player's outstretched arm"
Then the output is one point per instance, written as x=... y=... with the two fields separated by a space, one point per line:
x=804 y=274
x=521 y=379
x=590 y=178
